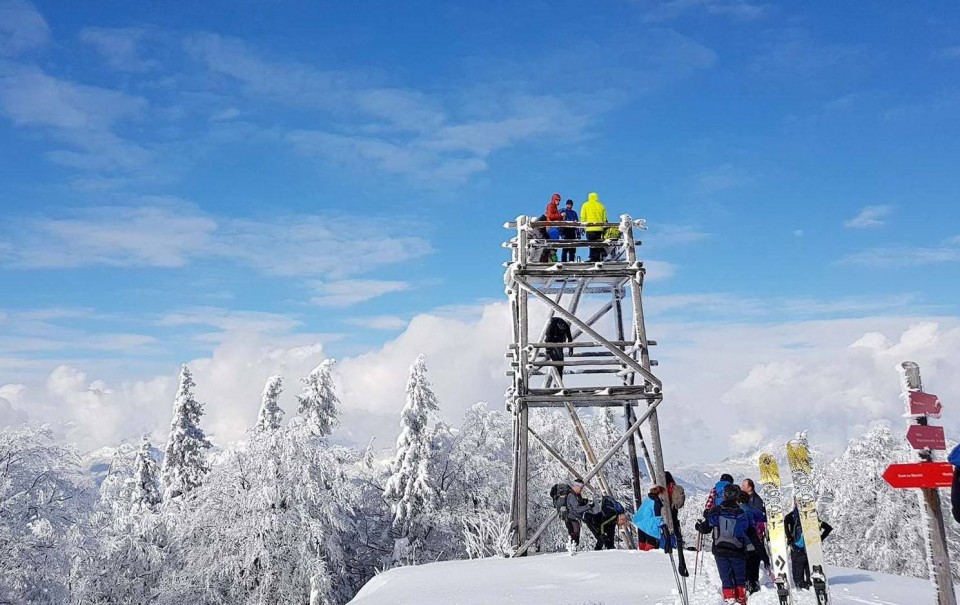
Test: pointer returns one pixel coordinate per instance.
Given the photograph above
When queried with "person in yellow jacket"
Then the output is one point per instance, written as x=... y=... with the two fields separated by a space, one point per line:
x=593 y=211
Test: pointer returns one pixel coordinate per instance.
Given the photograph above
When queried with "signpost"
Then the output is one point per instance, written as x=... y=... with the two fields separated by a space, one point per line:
x=926 y=437
x=926 y=474
x=924 y=404
x=919 y=474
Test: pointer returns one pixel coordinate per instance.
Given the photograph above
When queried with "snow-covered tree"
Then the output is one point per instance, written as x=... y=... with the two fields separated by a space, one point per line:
x=319 y=406
x=268 y=524
x=270 y=415
x=184 y=462
x=144 y=488
x=876 y=527
x=408 y=488
x=44 y=500
x=115 y=489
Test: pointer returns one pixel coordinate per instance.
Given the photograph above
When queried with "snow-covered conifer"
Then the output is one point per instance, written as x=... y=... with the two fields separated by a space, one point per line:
x=270 y=414
x=145 y=491
x=184 y=463
x=319 y=406
x=876 y=527
x=408 y=488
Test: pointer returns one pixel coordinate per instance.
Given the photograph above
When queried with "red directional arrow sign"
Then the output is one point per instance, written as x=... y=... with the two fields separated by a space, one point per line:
x=924 y=404
x=920 y=474
x=922 y=436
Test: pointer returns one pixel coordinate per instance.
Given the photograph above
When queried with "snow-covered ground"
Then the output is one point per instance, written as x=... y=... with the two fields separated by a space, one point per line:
x=604 y=578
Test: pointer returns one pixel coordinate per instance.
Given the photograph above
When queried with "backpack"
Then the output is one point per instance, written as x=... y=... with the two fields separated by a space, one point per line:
x=731 y=529
x=610 y=507
x=558 y=493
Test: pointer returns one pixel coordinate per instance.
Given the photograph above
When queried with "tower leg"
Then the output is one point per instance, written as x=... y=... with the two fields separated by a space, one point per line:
x=523 y=472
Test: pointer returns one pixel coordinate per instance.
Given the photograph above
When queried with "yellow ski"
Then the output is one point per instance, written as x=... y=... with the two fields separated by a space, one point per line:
x=773 y=500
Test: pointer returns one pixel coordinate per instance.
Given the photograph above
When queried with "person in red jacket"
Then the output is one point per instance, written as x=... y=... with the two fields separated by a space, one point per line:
x=552 y=213
x=553 y=209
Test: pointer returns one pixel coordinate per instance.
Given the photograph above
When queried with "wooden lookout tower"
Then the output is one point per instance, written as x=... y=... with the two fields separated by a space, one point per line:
x=607 y=362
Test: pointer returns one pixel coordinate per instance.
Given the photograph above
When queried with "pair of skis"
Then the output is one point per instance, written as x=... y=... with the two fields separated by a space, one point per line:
x=798 y=458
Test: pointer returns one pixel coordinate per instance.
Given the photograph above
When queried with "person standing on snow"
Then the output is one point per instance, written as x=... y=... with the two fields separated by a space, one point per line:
x=675 y=497
x=732 y=533
x=572 y=507
x=649 y=519
x=754 y=555
x=570 y=215
x=954 y=459
x=798 y=547
x=603 y=524
x=752 y=499
x=592 y=211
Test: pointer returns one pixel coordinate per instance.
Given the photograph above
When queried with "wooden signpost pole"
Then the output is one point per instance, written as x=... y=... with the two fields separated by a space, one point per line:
x=927 y=474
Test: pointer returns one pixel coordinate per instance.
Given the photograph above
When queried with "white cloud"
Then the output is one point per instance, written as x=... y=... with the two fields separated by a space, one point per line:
x=118 y=47
x=30 y=97
x=22 y=27
x=768 y=381
x=898 y=257
x=231 y=321
x=167 y=232
x=869 y=217
x=740 y=306
x=663 y=10
x=317 y=244
x=719 y=178
x=442 y=138
x=344 y=293
x=659 y=270
x=672 y=235
x=82 y=117
x=226 y=114
x=950 y=52
x=155 y=236
x=378 y=322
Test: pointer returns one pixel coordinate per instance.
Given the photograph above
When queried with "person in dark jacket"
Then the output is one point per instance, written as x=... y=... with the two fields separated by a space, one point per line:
x=733 y=533
x=570 y=215
x=798 y=548
x=754 y=555
x=603 y=524
x=572 y=510
x=676 y=498
x=755 y=502
x=558 y=330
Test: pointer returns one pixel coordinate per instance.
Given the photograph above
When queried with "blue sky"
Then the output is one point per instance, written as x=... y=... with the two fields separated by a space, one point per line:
x=325 y=172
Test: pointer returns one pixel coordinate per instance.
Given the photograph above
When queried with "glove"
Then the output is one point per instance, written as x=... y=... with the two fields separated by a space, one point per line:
x=702 y=526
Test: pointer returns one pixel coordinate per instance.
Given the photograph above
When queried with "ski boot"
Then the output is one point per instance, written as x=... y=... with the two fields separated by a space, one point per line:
x=741 y=595
x=729 y=596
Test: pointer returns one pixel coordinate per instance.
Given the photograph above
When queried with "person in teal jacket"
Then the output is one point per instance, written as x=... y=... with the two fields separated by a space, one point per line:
x=648 y=520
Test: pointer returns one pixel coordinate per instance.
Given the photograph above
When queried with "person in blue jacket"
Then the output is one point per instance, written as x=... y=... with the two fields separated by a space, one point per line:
x=954 y=459
x=570 y=215
x=732 y=533
x=649 y=520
